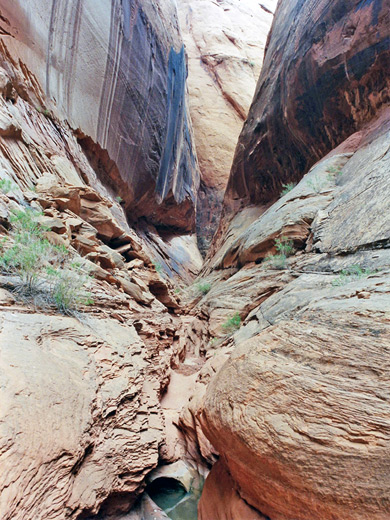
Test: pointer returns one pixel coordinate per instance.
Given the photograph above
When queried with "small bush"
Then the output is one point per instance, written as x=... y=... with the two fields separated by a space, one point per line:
x=275 y=261
x=68 y=288
x=43 y=269
x=203 y=287
x=119 y=199
x=232 y=324
x=43 y=111
x=287 y=188
x=334 y=173
x=6 y=186
x=284 y=246
x=158 y=267
x=351 y=274
x=316 y=184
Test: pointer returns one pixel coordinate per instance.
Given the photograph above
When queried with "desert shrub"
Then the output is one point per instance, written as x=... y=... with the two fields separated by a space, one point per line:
x=284 y=246
x=287 y=188
x=351 y=274
x=232 y=324
x=158 y=267
x=275 y=261
x=6 y=186
x=203 y=287
x=41 y=267
x=69 y=288
x=316 y=183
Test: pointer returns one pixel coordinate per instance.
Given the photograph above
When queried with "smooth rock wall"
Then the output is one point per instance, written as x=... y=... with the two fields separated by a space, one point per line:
x=325 y=74
x=116 y=71
x=225 y=44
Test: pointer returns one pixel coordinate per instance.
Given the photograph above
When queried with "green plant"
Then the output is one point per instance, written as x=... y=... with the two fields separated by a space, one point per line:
x=334 y=173
x=275 y=261
x=68 y=288
x=42 y=268
x=158 y=267
x=316 y=183
x=119 y=199
x=232 y=324
x=287 y=188
x=6 y=186
x=351 y=274
x=43 y=111
x=203 y=287
x=284 y=246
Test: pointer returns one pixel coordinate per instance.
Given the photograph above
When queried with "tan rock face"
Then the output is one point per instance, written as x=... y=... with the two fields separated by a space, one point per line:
x=118 y=77
x=78 y=421
x=300 y=411
x=45 y=162
x=325 y=74
x=225 y=44
x=299 y=407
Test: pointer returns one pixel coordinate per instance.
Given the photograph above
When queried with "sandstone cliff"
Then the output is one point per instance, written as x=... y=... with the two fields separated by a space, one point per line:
x=299 y=412
x=276 y=364
x=324 y=75
x=225 y=44
x=116 y=71
x=96 y=140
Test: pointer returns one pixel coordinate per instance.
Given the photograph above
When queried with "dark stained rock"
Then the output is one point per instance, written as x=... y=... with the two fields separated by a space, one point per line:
x=119 y=77
x=325 y=73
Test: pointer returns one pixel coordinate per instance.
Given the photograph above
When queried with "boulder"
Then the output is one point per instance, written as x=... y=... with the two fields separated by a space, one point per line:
x=76 y=405
x=301 y=406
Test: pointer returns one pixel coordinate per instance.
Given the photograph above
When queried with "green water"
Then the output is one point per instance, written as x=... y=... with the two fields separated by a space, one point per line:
x=171 y=496
x=187 y=509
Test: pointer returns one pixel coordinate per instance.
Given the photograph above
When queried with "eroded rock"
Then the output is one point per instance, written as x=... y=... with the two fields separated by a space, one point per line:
x=225 y=44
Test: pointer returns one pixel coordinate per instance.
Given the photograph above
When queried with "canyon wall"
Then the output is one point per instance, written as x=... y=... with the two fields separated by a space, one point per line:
x=116 y=71
x=324 y=75
x=286 y=333
x=95 y=138
x=297 y=309
x=225 y=44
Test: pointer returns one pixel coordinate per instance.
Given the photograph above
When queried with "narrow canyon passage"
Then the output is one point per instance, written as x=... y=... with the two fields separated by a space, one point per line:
x=194 y=260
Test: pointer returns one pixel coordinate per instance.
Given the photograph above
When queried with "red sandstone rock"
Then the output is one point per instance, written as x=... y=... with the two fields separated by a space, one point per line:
x=119 y=77
x=325 y=74
x=221 y=500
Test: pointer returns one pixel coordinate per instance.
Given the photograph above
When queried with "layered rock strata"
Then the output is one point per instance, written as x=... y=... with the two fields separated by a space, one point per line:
x=302 y=401
x=325 y=74
x=116 y=71
x=81 y=421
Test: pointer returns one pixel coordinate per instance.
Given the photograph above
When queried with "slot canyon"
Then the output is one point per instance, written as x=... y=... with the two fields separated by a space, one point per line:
x=194 y=259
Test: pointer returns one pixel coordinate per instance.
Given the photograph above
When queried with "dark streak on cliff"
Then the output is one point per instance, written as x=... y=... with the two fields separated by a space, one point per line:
x=143 y=122
x=319 y=83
